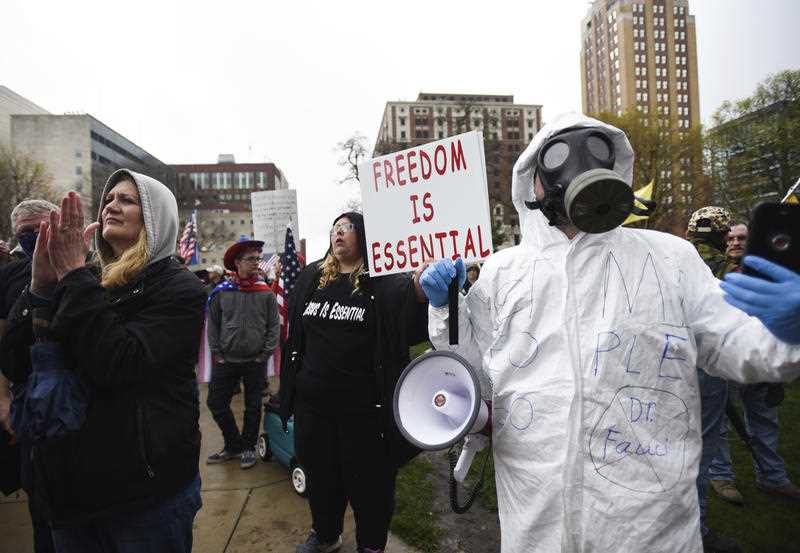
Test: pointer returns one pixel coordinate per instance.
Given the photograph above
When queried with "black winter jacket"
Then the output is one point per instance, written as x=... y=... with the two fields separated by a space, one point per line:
x=136 y=348
x=400 y=322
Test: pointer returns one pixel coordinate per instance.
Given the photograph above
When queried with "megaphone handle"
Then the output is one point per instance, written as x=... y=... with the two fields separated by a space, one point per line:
x=452 y=300
x=473 y=443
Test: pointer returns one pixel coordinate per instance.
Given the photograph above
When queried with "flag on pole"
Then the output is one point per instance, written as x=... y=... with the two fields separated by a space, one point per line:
x=188 y=247
x=793 y=195
x=290 y=268
x=646 y=193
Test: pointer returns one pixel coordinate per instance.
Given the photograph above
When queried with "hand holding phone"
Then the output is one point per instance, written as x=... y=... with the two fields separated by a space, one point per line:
x=775 y=301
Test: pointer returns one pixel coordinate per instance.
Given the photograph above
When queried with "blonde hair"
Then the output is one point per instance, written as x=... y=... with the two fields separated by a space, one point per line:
x=330 y=272
x=119 y=271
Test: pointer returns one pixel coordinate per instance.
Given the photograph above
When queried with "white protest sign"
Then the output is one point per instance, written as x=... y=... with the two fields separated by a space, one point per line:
x=273 y=210
x=430 y=201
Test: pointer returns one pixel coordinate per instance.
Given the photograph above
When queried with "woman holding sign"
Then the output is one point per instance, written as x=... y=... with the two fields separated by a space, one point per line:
x=348 y=342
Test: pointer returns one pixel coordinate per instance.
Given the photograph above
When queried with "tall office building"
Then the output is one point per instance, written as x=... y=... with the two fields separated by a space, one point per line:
x=641 y=54
x=12 y=103
x=81 y=152
x=507 y=129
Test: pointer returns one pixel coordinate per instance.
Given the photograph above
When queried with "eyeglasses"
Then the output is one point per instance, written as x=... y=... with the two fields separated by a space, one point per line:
x=344 y=228
x=251 y=258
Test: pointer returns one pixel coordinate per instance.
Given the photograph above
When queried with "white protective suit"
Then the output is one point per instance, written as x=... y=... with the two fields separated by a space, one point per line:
x=588 y=349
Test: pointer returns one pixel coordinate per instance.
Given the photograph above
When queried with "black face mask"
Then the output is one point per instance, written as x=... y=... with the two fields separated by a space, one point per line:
x=580 y=185
x=27 y=241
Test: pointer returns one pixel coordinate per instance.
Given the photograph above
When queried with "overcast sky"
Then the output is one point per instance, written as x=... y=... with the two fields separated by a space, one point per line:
x=285 y=81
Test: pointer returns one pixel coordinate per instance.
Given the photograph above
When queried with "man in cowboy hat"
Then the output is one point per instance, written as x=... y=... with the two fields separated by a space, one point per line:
x=243 y=330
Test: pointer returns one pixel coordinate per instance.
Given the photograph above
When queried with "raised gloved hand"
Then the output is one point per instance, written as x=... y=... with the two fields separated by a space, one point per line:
x=775 y=302
x=438 y=276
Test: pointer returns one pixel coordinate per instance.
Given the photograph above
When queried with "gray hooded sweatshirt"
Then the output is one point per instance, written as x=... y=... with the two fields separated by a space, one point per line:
x=159 y=210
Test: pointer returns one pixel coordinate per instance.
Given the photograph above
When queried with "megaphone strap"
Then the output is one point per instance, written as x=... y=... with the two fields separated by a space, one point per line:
x=476 y=489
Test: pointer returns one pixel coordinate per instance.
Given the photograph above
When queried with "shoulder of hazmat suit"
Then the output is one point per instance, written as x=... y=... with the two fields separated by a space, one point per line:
x=588 y=349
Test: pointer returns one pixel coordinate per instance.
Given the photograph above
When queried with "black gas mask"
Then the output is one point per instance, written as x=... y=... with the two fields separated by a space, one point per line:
x=576 y=168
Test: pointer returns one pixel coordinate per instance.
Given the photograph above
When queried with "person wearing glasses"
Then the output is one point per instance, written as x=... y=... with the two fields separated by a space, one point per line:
x=348 y=342
x=243 y=330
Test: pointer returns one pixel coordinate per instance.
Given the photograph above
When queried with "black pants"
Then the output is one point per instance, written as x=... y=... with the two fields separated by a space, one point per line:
x=224 y=380
x=42 y=537
x=346 y=461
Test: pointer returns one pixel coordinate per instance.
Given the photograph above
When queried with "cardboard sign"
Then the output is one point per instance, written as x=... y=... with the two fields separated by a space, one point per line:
x=273 y=210
x=427 y=202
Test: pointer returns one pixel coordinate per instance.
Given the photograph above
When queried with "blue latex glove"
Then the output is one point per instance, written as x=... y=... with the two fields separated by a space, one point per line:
x=438 y=276
x=775 y=302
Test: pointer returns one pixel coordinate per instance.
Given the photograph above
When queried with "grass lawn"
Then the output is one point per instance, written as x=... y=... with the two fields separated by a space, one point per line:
x=765 y=524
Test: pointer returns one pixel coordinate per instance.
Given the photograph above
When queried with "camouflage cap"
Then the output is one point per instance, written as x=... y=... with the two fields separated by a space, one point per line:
x=710 y=219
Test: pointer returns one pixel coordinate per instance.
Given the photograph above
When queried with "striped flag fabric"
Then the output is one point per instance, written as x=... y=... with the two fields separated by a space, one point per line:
x=793 y=195
x=290 y=268
x=267 y=264
x=188 y=246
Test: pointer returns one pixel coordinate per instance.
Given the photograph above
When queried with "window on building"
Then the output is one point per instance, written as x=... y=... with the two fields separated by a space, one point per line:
x=402 y=120
x=403 y=134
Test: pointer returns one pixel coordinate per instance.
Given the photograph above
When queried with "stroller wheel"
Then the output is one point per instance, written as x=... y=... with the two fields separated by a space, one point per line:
x=263 y=449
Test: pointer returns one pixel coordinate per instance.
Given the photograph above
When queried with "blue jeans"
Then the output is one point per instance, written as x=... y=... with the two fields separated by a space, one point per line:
x=713 y=398
x=165 y=528
x=762 y=424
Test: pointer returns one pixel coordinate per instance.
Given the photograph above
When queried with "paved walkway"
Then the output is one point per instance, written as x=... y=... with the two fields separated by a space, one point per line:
x=244 y=511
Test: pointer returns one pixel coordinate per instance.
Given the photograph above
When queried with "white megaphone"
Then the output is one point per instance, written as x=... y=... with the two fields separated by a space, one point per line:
x=437 y=402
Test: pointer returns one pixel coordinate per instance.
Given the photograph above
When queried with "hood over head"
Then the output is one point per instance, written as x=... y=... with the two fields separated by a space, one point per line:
x=159 y=210
x=533 y=222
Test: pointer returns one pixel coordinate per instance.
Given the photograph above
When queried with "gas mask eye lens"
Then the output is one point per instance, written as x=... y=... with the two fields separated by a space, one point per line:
x=555 y=155
x=598 y=148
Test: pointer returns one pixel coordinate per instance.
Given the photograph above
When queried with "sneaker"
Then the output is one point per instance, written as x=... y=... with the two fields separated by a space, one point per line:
x=248 y=458
x=314 y=545
x=716 y=543
x=726 y=490
x=787 y=491
x=221 y=457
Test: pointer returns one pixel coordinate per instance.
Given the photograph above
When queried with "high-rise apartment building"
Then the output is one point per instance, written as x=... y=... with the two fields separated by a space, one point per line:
x=641 y=54
x=507 y=128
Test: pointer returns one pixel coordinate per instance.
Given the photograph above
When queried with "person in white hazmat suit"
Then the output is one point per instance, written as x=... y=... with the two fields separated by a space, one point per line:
x=587 y=343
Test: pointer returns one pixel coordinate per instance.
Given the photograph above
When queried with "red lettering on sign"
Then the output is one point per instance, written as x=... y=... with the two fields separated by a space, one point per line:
x=387 y=253
x=401 y=251
x=414 y=199
x=454 y=235
x=424 y=160
x=457 y=157
x=486 y=252
x=376 y=256
x=376 y=173
x=426 y=247
x=411 y=251
x=411 y=166
x=470 y=245
x=397 y=159
x=441 y=236
x=440 y=150
x=387 y=168
x=426 y=203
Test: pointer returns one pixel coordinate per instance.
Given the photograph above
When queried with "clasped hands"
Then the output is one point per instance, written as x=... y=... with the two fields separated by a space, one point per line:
x=61 y=246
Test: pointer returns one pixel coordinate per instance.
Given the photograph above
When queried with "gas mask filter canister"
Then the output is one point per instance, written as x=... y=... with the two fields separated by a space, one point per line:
x=580 y=186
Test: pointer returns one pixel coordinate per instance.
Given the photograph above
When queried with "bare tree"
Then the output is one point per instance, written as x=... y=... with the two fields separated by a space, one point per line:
x=21 y=178
x=353 y=151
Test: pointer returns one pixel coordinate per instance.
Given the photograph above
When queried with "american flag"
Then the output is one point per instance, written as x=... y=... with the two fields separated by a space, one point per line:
x=290 y=268
x=267 y=264
x=187 y=246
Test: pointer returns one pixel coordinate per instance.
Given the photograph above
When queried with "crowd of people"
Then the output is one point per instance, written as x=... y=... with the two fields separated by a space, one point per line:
x=610 y=358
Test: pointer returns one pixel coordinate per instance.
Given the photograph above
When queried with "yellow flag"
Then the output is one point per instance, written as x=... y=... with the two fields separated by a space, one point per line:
x=792 y=195
x=646 y=193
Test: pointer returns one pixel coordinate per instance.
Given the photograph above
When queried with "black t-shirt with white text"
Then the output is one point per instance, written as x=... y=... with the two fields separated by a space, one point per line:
x=337 y=364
